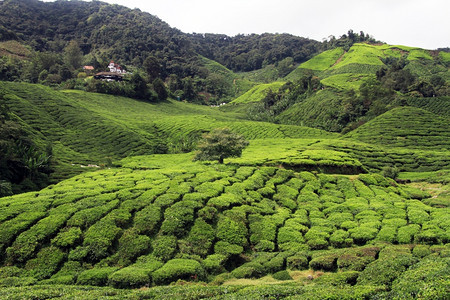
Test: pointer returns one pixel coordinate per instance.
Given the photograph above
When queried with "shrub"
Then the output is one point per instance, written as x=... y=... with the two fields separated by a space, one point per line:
x=357 y=259
x=317 y=243
x=390 y=264
x=231 y=231
x=166 y=200
x=226 y=248
x=100 y=237
x=289 y=234
x=147 y=219
x=299 y=261
x=129 y=278
x=200 y=238
x=178 y=218
x=417 y=216
x=363 y=234
x=248 y=270
x=208 y=213
x=429 y=236
x=164 y=247
x=261 y=228
x=265 y=245
x=421 y=251
x=266 y=191
x=338 y=278
x=26 y=243
x=185 y=269
x=95 y=276
x=282 y=275
x=225 y=201
x=214 y=263
x=131 y=245
x=46 y=262
x=276 y=263
x=406 y=233
x=67 y=237
x=346 y=187
x=340 y=238
x=325 y=262
x=387 y=234
x=433 y=283
x=367 y=179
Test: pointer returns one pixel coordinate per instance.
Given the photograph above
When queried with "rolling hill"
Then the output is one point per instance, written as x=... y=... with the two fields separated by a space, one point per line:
x=342 y=192
x=286 y=210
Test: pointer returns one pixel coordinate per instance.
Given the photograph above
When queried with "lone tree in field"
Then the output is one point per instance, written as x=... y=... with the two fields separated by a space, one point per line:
x=219 y=144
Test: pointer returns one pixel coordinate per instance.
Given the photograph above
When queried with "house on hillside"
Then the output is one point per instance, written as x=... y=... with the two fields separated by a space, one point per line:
x=115 y=68
x=109 y=76
x=88 y=69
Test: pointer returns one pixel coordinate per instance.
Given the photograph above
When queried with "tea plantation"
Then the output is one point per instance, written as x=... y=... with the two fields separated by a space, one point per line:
x=145 y=224
x=302 y=214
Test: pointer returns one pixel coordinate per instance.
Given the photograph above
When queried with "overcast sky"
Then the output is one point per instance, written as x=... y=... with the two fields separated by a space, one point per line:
x=421 y=23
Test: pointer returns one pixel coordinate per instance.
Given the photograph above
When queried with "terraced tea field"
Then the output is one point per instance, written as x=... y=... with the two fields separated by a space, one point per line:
x=163 y=218
x=303 y=212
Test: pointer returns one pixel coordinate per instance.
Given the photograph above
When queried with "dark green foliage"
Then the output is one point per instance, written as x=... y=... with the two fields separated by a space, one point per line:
x=27 y=242
x=433 y=274
x=357 y=259
x=298 y=261
x=131 y=245
x=248 y=270
x=214 y=263
x=282 y=275
x=147 y=219
x=129 y=278
x=199 y=240
x=391 y=263
x=339 y=278
x=46 y=263
x=164 y=247
x=186 y=269
x=178 y=218
x=95 y=276
x=226 y=248
x=325 y=262
x=231 y=231
x=221 y=143
x=67 y=237
x=135 y=275
x=261 y=228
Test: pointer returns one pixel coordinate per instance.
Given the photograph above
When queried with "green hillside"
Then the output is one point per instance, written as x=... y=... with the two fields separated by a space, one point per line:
x=90 y=129
x=129 y=227
x=408 y=127
x=258 y=93
x=341 y=190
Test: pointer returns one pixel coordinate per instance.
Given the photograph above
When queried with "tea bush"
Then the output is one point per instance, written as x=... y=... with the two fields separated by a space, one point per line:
x=95 y=276
x=185 y=269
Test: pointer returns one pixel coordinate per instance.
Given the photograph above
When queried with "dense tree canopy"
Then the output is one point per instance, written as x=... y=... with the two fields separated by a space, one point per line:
x=220 y=144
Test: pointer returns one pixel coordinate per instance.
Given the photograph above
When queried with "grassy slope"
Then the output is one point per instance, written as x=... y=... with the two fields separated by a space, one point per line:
x=406 y=127
x=86 y=128
x=257 y=93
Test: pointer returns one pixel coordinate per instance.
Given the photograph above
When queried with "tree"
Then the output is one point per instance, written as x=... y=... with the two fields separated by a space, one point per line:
x=219 y=144
x=73 y=55
x=152 y=67
x=160 y=89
